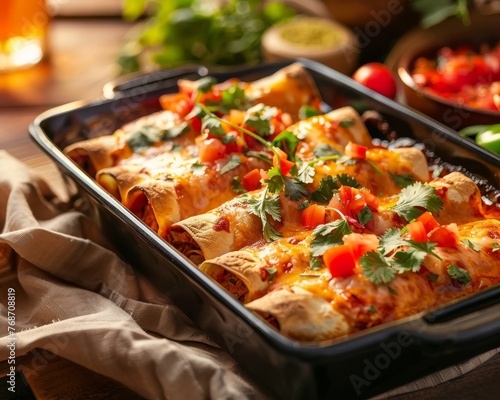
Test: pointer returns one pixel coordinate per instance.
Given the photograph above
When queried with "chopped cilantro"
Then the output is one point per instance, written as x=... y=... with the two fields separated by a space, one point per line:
x=147 y=135
x=325 y=150
x=328 y=235
x=237 y=186
x=348 y=180
x=365 y=215
x=495 y=246
x=260 y=156
x=234 y=98
x=304 y=205
x=474 y=247
x=265 y=207
x=409 y=260
x=259 y=118
x=205 y=85
x=272 y=272
x=346 y=123
x=233 y=163
x=392 y=291
x=459 y=274
x=295 y=189
x=376 y=268
x=213 y=125
x=415 y=199
x=307 y=112
x=391 y=240
x=402 y=180
x=306 y=172
x=324 y=193
x=287 y=142
x=433 y=277
x=372 y=309
x=198 y=169
x=314 y=264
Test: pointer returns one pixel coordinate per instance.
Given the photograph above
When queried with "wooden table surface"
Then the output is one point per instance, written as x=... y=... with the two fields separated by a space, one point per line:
x=82 y=59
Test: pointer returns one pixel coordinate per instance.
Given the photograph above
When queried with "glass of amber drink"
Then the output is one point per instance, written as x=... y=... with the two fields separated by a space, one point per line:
x=23 y=33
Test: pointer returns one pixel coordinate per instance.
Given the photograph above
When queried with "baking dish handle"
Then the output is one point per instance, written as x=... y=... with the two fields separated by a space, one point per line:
x=144 y=82
x=463 y=323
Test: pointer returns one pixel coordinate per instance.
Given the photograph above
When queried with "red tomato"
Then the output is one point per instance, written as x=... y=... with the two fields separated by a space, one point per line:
x=210 y=149
x=443 y=237
x=361 y=243
x=313 y=216
x=417 y=232
x=251 y=181
x=377 y=77
x=179 y=103
x=371 y=200
x=340 y=261
x=354 y=150
x=283 y=163
x=429 y=221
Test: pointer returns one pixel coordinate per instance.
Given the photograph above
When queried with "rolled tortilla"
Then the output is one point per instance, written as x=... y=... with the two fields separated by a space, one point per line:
x=288 y=89
x=300 y=315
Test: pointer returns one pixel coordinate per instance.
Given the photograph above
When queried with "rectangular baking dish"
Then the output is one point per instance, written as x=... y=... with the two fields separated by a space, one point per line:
x=361 y=365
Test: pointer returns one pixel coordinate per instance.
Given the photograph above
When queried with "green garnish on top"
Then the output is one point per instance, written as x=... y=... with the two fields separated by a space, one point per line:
x=415 y=199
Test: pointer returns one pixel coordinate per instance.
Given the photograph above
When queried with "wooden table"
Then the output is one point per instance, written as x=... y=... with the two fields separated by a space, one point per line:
x=83 y=53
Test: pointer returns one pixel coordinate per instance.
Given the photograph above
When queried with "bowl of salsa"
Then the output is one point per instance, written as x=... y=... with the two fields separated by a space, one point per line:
x=451 y=71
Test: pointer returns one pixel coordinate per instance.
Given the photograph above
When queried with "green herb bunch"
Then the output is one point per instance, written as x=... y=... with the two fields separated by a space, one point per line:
x=211 y=32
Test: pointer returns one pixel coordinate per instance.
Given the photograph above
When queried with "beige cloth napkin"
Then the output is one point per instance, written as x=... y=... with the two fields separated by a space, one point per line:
x=74 y=297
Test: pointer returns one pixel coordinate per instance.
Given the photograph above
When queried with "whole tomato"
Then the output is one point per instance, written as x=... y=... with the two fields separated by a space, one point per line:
x=377 y=77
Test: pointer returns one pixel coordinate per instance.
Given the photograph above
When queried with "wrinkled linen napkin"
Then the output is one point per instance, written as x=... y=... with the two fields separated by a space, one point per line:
x=76 y=298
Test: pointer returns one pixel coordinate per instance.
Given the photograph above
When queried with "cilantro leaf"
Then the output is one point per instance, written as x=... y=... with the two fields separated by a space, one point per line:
x=346 y=123
x=295 y=189
x=365 y=215
x=147 y=135
x=233 y=163
x=205 y=85
x=213 y=125
x=276 y=182
x=347 y=180
x=426 y=247
x=376 y=268
x=259 y=118
x=433 y=277
x=234 y=98
x=260 y=156
x=495 y=247
x=459 y=274
x=306 y=172
x=314 y=264
x=198 y=169
x=402 y=180
x=325 y=150
x=391 y=240
x=272 y=272
x=237 y=186
x=266 y=206
x=416 y=198
x=287 y=142
x=474 y=247
x=410 y=260
x=328 y=235
x=327 y=187
x=306 y=112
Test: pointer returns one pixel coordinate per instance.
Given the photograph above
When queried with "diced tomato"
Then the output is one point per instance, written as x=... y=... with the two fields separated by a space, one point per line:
x=372 y=201
x=237 y=144
x=313 y=216
x=179 y=103
x=444 y=237
x=354 y=150
x=283 y=163
x=210 y=149
x=251 y=180
x=428 y=220
x=340 y=261
x=346 y=194
x=361 y=243
x=417 y=232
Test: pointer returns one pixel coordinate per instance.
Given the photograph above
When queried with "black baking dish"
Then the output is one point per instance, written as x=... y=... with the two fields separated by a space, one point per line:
x=360 y=365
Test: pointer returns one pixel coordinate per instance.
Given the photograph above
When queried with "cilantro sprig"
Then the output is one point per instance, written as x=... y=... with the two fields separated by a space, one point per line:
x=395 y=255
x=415 y=199
x=267 y=207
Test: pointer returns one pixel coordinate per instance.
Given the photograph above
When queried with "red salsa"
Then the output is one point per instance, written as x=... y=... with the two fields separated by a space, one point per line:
x=463 y=75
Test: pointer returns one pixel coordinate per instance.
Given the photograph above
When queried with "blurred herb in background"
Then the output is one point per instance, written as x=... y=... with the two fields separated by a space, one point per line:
x=433 y=12
x=210 y=32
